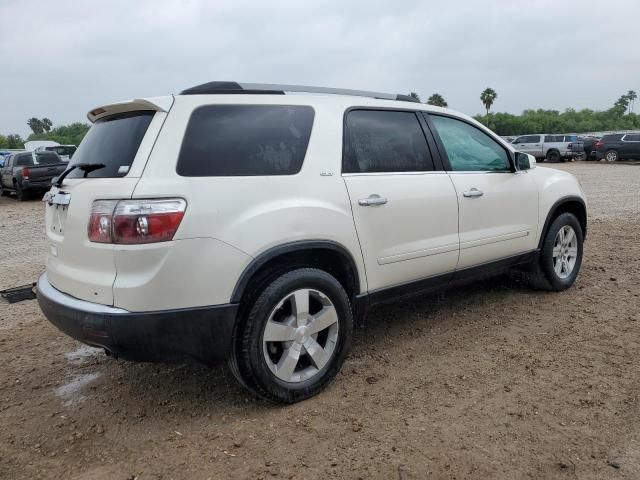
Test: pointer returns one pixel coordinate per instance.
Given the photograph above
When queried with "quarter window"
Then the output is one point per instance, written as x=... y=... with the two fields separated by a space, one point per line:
x=245 y=140
x=468 y=148
x=384 y=141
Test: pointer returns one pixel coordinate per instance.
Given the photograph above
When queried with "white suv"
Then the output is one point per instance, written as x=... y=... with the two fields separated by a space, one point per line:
x=256 y=223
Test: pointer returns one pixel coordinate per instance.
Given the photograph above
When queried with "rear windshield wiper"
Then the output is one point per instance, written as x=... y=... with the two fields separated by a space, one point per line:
x=87 y=168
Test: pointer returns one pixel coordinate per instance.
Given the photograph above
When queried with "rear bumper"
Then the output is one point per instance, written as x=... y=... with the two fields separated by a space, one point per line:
x=36 y=185
x=203 y=334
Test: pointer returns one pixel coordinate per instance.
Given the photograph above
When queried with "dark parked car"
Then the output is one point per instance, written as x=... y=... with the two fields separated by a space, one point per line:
x=589 y=145
x=24 y=173
x=618 y=146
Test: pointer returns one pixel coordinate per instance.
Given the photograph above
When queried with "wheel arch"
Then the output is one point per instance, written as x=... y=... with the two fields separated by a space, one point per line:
x=325 y=254
x=569 y=204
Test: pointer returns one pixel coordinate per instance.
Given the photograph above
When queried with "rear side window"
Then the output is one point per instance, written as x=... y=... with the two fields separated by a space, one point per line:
x=632 y=137
x=245 y=140
x=554 y=138
x=114 y=142
x=384 y=141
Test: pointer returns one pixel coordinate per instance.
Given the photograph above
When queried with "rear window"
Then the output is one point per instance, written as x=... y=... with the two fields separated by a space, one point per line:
x=245 y=140
x=62 y=150
x=25 y=160
x=114 y=142
x=47 y=158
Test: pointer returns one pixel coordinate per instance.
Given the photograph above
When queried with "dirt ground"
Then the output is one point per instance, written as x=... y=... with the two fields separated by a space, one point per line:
x=488 y=381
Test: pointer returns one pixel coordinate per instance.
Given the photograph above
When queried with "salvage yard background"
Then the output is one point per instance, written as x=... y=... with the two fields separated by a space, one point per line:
x=489 y=380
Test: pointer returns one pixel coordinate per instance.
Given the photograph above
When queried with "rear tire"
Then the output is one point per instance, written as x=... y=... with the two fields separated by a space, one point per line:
x=611 y=156
x=553 y=156
x=21 y=195
x=294 y=337
x=3 y=191
x=561 y=255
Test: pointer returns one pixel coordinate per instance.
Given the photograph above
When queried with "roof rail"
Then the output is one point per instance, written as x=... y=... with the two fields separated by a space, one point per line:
x=226 y=88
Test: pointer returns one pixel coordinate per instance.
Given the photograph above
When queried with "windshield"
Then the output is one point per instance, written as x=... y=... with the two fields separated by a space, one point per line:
x=112 y=141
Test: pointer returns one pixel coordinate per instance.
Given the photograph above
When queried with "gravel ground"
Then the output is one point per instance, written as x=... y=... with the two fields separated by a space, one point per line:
x=487 y=381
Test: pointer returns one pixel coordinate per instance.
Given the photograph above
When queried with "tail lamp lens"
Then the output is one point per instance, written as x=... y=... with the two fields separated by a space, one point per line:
x=133 y=222
x=100 y=220
x=25 y=173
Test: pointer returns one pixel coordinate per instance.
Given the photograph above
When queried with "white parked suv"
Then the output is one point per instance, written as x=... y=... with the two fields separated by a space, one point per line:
x=256 y=223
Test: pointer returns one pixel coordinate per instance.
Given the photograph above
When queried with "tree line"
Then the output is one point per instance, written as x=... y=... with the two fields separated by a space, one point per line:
x=42 y=129
x=619 y=117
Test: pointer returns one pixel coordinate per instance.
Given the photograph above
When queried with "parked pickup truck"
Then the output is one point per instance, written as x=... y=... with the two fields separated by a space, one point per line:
x=553 y=148
x=28 y=172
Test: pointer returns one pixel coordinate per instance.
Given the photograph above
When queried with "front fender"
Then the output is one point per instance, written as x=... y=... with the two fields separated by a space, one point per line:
x=559 y=191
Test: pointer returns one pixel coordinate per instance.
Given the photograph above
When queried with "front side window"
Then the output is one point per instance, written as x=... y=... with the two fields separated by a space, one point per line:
x=384 y=141
x=245 y=140
x=468 y=148
x=632 y=137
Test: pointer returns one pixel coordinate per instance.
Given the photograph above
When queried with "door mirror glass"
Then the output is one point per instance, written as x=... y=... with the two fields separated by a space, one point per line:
x=524 y=161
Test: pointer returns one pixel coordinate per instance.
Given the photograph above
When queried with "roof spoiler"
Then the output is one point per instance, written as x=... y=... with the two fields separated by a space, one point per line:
x=157 y=104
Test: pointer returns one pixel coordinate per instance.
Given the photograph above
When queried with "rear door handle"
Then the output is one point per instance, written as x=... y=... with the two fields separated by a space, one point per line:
x=474 y=192
x=373 y=199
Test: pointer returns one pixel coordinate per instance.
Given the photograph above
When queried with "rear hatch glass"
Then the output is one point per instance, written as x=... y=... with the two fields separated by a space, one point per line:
x=112 y=141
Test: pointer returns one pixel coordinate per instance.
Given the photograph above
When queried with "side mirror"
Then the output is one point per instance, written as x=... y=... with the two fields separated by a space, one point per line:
x=525 y=161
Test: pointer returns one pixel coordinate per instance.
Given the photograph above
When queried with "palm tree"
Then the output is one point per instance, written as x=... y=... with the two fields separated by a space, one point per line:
x=46 y=124
x=631 y=95
x=487 y=97
x=415 y=95
x=437 y=100
x=35 y=125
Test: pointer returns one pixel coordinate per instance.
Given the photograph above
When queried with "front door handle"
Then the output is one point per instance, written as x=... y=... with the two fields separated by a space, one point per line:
x=373 y=199
x=474 y=192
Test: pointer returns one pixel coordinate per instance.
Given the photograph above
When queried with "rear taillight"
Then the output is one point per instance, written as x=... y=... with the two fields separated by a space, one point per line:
x=598 y=144
x=569 y=146
x=25 y=173
x=135 y=221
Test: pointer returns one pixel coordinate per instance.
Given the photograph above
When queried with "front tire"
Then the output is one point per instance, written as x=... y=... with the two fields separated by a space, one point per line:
x=294 y=337
x=561 y=255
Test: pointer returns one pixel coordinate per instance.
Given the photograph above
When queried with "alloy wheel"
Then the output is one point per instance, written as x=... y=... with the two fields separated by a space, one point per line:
x=300 y=335
x=565 y=251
